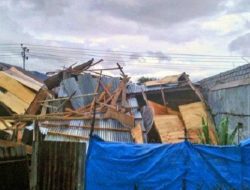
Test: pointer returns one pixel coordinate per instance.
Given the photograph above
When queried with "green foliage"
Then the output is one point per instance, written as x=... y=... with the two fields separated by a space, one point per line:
x=223 y=136
x=204 y=133
x=141 y=80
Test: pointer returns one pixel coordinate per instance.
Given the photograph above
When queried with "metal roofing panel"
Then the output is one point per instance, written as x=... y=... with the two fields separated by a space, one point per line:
x=74 y=129
x=71 y=86
x=115 y=81
x=135 y=107
x=133 y=88
x=133 y=102
x=87 y=85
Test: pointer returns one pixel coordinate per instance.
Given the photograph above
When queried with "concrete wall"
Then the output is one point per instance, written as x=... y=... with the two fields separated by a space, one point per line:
x=234 y=102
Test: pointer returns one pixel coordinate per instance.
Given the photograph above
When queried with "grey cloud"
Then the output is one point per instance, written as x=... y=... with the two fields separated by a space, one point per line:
x=135 y=56
x=159 y=20
x=160 y=55
x=239 y=6
x=45 y=7
x=241 y=45
x=159 y=13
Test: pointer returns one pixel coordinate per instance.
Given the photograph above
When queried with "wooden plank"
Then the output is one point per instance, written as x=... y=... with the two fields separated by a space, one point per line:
x=24 y=79
x=35 y=105
x=16 y=88
x=192 y=115
x=121 y=117
x=196 y=90
x=124 y=97
x=106 y=88
x=159 y=109
x=137 y=134
x=170 y=128
x=67 y=135
x=166 y=80
x=14 y=103
x=55 y=80
x=119 y=90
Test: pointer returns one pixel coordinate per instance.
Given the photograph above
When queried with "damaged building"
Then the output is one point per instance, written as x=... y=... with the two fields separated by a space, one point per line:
x=227 y=94
x=57 y=117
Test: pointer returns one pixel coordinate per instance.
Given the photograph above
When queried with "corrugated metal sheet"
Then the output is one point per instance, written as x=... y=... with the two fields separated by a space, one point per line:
x=135 y=107
x=233 y=103
x=61 y=165
x=70 y=85
x=10 y=150
x=14 y=170
x=133 y=88
x=74 y=129
x=87 y=85
x=115 y=81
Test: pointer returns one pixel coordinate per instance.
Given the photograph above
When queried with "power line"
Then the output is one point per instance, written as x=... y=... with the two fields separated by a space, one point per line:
x=129 y=52
x=172 y=60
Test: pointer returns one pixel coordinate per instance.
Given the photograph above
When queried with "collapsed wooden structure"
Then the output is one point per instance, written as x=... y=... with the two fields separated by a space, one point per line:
x=79 y=100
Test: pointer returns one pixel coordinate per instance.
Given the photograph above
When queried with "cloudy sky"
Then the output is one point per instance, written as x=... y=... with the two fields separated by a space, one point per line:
x=148 y=37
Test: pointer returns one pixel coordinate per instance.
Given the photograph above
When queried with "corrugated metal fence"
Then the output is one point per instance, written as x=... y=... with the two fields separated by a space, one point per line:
x=60 y=165
x=14 y=170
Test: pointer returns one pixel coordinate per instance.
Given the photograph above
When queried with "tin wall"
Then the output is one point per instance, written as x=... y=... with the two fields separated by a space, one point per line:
x=61 y=165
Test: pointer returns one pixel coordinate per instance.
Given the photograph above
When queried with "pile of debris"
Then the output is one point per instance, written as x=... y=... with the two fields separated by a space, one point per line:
x=177 y=110
x=81 y=100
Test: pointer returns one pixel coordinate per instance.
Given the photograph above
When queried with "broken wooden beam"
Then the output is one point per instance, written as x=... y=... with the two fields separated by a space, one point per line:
x=121 y=117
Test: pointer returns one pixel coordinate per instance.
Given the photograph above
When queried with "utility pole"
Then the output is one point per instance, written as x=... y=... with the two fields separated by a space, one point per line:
x=24 y=56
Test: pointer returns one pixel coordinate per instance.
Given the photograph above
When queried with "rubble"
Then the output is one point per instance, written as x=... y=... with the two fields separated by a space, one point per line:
x=123 y=111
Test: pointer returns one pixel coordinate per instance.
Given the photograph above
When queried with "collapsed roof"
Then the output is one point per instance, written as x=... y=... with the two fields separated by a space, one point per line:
x=76 y=102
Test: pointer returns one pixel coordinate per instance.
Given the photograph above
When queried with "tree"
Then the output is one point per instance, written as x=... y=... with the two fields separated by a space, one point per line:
x=141 y=80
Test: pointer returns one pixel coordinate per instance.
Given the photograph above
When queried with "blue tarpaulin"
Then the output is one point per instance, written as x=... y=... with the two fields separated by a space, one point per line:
x=127 y=166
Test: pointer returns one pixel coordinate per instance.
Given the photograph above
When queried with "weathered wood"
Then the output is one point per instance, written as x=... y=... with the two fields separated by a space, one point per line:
x=159 y=109
x=137 y=134
x=121 y=117
x=196 y=90
x=7 y=143
x=66 y=98
x=68 y=135
x=35 y=105
x=170 y=128
x=55 y=80
x=106 y=89
x=13 y=103
x=192 y=115
x=124 y=97
x=119 y=90
x=163 y=97
x=121 y=69
x=17 y=89
x=45 y=117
